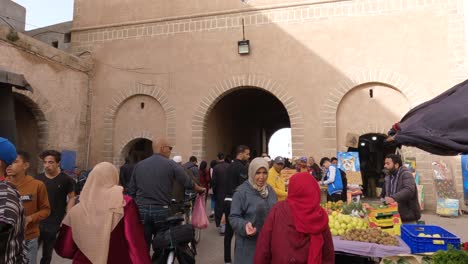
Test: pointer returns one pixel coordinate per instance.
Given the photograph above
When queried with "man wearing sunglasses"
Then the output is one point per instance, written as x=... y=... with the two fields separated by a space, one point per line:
x=152 y=183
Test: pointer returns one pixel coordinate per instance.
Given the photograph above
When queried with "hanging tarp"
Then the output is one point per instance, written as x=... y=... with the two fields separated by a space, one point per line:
x=439 y=126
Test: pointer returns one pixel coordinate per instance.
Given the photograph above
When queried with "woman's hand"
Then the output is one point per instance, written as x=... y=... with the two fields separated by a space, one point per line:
x=250 y=230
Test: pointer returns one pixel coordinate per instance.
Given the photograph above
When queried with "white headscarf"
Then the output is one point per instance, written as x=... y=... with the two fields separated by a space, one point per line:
x=254 y=166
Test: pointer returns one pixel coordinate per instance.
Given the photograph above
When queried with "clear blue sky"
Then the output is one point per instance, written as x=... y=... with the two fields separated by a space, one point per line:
x=40 y=13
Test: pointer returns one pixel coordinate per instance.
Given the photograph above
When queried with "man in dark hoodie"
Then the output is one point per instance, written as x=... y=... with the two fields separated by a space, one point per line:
x=192 y=166
x=236 y=173
x=400 y=187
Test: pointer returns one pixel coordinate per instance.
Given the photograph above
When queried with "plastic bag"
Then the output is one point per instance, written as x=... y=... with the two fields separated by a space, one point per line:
x=199 y=217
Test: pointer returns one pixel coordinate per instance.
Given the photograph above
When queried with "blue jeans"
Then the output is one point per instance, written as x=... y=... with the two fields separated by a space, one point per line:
x=32 y=246
x=152 y=218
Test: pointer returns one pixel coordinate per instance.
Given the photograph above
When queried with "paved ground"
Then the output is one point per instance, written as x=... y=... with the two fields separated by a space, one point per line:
x=210 y=249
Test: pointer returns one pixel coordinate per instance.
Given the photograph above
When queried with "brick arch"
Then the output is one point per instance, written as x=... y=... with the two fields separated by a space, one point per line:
x=390 y=79
x=118 y=99
x=125 y=143
x=41 y=109
x=226 y=86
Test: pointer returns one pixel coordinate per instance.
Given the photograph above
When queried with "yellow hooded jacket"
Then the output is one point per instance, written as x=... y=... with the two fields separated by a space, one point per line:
x=277 y=183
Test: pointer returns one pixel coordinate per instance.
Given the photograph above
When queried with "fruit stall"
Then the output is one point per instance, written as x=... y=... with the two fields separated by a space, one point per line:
x=374 y=233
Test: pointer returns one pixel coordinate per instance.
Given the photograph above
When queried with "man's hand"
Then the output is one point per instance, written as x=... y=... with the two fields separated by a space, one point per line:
x=250 y=230
x=198 y=188
x=389 y=200
x=28 y=220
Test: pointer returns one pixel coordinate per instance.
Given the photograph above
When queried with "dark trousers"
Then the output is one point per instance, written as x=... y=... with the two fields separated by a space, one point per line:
x=47 y=238
x=152 y=218
x=334 y=197
x=219 y=211
x=228 y=234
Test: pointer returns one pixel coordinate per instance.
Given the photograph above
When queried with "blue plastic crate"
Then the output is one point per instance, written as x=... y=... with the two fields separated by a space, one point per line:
x=409 y=234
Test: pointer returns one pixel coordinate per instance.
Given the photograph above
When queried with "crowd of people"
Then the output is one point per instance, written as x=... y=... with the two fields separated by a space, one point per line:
x=118 y=214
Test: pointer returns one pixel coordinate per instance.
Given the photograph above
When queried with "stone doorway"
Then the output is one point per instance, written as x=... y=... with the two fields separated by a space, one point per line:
x=31 y=136
x=137 y=150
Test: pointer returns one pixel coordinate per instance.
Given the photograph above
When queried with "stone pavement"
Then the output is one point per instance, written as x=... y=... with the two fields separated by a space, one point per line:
x=211 y=247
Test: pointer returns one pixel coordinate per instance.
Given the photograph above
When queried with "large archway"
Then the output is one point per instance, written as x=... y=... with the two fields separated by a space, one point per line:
x=247 y=115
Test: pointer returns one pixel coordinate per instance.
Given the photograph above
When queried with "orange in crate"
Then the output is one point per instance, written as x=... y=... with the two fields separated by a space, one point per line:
x=387 y=219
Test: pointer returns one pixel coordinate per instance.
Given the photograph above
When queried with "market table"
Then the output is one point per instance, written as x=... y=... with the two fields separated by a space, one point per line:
x=369 y=249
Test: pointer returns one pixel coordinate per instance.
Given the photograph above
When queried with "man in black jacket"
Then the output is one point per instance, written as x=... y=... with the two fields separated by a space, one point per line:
x=400 y=187
x=236 y=173
x=219 y=183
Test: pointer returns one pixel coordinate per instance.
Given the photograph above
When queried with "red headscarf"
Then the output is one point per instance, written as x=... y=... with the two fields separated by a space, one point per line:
x=309 y=217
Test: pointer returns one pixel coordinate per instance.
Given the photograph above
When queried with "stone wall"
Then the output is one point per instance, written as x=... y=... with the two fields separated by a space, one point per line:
x=59 y=101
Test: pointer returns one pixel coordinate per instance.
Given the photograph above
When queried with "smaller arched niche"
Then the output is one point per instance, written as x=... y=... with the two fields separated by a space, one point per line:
x=137 y=150
x=369 y=108
x=140 y=114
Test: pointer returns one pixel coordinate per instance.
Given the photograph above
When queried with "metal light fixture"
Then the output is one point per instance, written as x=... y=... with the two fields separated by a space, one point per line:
x=243 y=46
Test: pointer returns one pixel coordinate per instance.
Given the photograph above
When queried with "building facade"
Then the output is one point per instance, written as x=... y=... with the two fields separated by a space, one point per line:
x=57 y=36
x=12 y=15
x=325 y=69
x=54 y=115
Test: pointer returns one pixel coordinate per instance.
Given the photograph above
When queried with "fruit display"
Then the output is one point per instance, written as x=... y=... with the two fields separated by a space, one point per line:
x=385 y=217
x=333 y=206
x=371 y=235
x=339 y=223
x=355 y=209
x=428 y=235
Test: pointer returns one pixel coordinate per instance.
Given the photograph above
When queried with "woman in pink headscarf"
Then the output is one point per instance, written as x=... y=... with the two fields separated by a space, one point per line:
x=104 y=227
x=296 y=230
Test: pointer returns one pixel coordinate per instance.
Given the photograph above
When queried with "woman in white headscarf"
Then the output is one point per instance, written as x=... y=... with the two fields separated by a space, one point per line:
x=104 y=227
x=250 y=206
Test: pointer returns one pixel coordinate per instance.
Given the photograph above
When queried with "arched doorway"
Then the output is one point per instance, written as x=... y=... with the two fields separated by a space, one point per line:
x=29 y=136
x=137 y=150
x=369 y=110
x=248 y=116
x=372 y=150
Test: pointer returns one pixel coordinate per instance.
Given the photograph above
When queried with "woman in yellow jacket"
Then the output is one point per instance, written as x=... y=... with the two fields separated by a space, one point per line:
x=275 y=180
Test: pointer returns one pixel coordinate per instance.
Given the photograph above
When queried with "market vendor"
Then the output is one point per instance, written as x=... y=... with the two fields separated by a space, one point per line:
x=400 y=187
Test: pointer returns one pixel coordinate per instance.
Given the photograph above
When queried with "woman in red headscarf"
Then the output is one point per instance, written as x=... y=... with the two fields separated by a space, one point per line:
x=296 y=230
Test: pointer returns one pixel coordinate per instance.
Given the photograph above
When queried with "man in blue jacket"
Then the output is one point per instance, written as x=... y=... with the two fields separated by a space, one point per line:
x=332 y=179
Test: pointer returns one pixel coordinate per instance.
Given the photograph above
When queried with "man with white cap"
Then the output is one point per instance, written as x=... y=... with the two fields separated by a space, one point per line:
x=275 y=180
